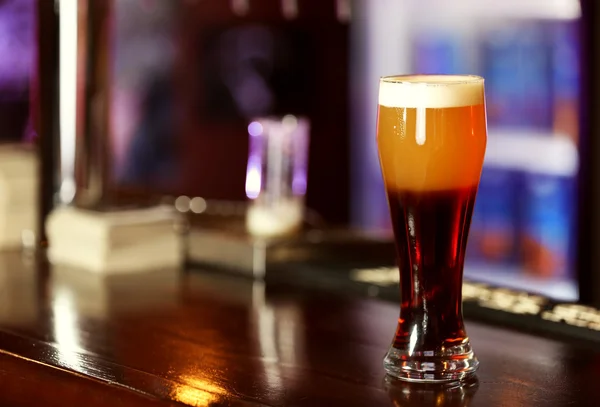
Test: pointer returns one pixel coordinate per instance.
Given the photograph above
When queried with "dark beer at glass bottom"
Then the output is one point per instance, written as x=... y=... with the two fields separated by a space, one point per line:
x=431 y=138
x=438 y=244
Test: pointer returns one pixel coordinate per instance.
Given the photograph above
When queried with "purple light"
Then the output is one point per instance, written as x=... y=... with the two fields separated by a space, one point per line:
x=17 y=43
x=299 y=183
x=255 y=129
x=253 y=178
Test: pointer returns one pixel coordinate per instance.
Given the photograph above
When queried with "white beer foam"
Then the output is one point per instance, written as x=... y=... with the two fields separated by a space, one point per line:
x=431 y=91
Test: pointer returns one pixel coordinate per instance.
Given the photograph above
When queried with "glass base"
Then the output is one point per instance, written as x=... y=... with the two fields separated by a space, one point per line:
x=455 y=363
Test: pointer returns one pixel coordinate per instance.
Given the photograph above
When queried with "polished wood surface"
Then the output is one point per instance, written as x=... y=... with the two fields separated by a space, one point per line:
x=70 y=338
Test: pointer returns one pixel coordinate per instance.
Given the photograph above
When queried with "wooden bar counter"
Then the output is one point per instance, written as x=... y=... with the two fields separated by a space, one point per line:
x=197 y=338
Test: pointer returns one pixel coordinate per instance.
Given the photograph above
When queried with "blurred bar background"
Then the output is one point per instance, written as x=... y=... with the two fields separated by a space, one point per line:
x=182 y=80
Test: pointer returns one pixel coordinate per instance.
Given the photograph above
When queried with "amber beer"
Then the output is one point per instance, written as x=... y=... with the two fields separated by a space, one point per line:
x=431 y=134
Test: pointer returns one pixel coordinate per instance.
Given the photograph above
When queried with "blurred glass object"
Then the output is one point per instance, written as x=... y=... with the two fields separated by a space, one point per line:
x=523 y=229
x=116 y=114
x=85 y=100
x=276 y=175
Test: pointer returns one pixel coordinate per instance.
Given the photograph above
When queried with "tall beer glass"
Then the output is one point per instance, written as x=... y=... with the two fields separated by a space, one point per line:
x=431 y=132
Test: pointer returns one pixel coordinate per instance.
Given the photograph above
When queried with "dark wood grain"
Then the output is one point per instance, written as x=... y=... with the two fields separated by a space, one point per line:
x=70 y=338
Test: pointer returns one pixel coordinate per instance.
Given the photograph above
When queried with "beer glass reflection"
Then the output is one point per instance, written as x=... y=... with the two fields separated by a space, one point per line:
x=431 y=133
x=403 y=394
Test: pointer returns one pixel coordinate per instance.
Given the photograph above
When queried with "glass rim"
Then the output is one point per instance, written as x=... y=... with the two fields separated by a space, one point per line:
x=432 y=80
